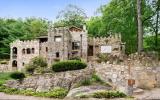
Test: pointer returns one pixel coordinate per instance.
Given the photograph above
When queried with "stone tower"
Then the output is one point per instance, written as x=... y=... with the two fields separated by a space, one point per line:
x=59 y=44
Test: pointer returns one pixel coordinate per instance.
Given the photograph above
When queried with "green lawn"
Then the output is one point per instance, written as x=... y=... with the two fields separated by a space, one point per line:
x=4 y=76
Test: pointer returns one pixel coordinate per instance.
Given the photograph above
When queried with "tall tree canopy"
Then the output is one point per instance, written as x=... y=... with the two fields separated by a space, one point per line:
x=120 y=16
x=71 y=15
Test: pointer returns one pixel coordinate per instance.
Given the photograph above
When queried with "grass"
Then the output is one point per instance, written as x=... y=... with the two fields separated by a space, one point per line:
x=105 y=94
x=94 y=80
x=4 y=76
x=55 y=93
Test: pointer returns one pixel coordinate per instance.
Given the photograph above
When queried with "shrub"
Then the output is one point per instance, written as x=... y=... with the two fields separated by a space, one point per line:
x=55 y=93
x=102 y=58
x=85 y=82
x=37 y=64
x=30 y=69
x=109 y=94
x=17 y=75
x=68 y=65
x=75 y=58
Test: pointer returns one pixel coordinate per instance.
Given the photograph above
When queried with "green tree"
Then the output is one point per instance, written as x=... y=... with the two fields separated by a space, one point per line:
x=71 y=16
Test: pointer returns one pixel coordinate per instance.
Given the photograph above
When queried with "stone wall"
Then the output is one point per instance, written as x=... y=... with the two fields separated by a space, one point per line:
x=4 y=67
x=146 y=77
x=49 y=81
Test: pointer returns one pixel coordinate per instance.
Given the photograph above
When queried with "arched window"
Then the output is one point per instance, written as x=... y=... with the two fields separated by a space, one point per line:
x=14 y=50
x=23 y=51
x=33 y=50
x=14 y=63
x=28 y=50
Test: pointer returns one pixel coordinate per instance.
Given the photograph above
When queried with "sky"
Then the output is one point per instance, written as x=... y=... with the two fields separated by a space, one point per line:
x=45 y=8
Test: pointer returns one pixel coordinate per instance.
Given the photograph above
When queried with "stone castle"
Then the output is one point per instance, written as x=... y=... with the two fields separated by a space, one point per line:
x=63 y=43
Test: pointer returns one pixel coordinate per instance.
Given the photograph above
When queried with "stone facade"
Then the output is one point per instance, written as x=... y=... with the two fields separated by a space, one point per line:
x=22 y=52
x=62 y=43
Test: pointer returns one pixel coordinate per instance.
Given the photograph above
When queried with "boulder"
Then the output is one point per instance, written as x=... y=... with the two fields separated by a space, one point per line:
x=86 y=90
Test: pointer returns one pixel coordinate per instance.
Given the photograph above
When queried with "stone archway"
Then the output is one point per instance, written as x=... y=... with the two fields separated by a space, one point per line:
x=14 y=50
x=14 y=65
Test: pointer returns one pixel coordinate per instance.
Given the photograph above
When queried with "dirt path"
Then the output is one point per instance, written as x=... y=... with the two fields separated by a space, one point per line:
x=153 y=94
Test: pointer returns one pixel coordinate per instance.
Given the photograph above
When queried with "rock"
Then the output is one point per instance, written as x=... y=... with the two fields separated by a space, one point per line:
x=138 y=91
x=86 y=90
x=46 y=82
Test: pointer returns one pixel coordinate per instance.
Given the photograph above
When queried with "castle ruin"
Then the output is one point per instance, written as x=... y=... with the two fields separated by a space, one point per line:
x=63 y=43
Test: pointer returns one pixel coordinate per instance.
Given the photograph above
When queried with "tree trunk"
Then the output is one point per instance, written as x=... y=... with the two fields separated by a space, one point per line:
x=140 y=26
x=157 y=26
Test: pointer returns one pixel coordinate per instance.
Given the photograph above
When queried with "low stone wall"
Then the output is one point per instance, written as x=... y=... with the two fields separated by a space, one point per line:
x=118 y=75
x=49 y=81
x=4 y=67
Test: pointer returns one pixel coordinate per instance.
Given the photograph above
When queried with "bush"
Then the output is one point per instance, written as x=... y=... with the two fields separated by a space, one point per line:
x=85 y=82
x=30 y=69
x=75 y=58
x=109 y=94
x=37 y=64
x=68 y=65
x=17 y=75
x=55 y=93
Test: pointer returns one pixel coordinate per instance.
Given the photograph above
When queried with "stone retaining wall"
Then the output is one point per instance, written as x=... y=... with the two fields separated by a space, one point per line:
x=118 y=75
x=49 y=81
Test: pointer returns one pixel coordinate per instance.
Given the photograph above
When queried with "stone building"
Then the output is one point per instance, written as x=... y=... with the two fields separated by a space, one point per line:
x=62 y=43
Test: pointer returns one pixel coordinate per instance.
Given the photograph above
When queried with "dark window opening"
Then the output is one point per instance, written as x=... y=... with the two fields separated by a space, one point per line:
x=23 y=51
x=23 y=63
x=57 y=54
x=41 y=40
x=75 y=45
x=46 y=49
x=14 y=63
x=28 y=50
x=14 y=50
x=90 y=51
x=33 y=50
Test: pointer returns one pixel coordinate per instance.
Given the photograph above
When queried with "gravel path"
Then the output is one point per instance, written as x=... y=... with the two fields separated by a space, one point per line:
x=153 y=94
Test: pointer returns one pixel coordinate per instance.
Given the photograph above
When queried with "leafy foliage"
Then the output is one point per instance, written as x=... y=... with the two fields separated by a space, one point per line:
x=55 y=93
x=38 y=64
x=109 y=94
x=12 y=29
x=68 y=65
x=17 y=75
x=71 y=16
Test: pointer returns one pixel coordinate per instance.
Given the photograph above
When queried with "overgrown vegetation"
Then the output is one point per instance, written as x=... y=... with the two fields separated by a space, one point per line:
x=18 y=76
x=37 y=64
x=94 y=80
x=105 y=94
x=68 y=65
x=55 y=93
x=109 y=94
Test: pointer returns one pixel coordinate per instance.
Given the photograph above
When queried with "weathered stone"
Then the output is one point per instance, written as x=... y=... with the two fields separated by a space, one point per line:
x=49 y=81
x=86 y=90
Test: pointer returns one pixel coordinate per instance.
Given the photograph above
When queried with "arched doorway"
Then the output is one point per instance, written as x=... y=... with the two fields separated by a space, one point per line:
x=14 y=65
